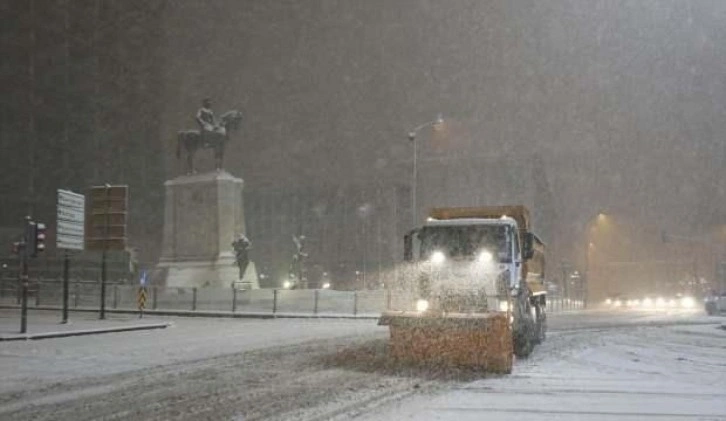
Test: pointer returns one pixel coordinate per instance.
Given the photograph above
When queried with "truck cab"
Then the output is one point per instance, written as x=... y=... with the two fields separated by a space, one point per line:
x=465 y=265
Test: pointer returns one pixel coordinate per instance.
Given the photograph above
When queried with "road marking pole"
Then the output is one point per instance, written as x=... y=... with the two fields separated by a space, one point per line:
x=141 y=300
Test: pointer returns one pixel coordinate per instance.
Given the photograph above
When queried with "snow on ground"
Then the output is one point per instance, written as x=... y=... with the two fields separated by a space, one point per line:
x=45 y=361
x=593 y=366
x=675 y=372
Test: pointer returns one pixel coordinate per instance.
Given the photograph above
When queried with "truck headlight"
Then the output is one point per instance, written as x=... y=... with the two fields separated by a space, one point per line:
x=503 y=305
x=485 y=256
x=438 y=257
x=422 y=305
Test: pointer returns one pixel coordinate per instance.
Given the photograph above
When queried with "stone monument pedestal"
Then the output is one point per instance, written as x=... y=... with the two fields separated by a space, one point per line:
x=203 y=215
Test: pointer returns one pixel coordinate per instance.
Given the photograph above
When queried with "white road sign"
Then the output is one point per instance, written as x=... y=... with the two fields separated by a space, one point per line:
x=70 y=224
x=70 y=228
x=71 y=200
x=74 y=216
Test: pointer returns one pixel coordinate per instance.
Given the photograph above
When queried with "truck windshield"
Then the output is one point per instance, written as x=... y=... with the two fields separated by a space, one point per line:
x=467 y=241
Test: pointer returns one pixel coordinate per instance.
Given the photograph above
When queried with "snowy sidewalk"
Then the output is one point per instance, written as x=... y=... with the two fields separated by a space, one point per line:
x=46 y=324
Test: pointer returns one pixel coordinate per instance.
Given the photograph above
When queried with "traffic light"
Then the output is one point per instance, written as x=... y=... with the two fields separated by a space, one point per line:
x=39 y=238
x=35 y=237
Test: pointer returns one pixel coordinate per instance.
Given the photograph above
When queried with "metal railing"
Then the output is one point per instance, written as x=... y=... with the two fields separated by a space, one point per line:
x=322 y=302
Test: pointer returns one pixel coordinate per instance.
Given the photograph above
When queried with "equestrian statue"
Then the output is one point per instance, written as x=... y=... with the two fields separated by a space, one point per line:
x=212 y=134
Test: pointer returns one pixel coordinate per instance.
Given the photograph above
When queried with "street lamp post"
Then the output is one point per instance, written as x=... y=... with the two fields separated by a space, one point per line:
x=590 y=248
x=414 y=179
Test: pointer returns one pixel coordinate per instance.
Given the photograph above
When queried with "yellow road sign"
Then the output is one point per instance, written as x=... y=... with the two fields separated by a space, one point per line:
x=141 y=298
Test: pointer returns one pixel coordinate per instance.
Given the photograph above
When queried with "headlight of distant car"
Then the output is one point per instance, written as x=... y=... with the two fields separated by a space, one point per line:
x=608 y=302
x=647 y=302
x=633 y=303
x=617 y=303
x=422 y=305
x=688 y=302
x=660 y=302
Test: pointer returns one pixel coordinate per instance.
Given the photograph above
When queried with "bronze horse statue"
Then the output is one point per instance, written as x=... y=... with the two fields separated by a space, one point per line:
x=193 y=140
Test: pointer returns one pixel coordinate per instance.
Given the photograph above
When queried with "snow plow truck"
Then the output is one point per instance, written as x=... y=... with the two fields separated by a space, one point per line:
x=477 y=278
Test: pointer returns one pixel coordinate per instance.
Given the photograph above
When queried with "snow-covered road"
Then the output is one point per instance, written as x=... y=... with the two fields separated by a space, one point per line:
x=637 y=366
x=594 y=366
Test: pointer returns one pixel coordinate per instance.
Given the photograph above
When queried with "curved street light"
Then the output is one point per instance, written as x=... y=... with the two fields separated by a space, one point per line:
x=412 y=138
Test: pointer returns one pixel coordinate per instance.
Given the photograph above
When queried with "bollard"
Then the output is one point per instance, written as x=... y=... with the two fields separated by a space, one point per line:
x=153 y=298
x=37 y=294
x=194 y=299
x=274 y=301
x=315 y=306
x=234 y=299
x=115 y=296
x=355 y=303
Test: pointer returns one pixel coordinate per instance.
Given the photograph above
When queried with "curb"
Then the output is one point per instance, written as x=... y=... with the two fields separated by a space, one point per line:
x=63 y=334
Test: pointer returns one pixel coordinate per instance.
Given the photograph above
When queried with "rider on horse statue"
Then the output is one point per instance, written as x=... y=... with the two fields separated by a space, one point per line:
x=208 y=125
x=213 y=134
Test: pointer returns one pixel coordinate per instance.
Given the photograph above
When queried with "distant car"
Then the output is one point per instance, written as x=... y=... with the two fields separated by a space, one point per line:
x=616 y=301
x=715 y=303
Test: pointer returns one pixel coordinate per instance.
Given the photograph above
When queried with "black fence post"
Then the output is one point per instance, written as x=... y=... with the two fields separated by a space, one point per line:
x=355 y=303
x=75 y=295
x=153 y=298
x=315 y=306
x=194 y=299
x=37 y=293
x=115 y=296
x=234 y=299
x=388 y=298
x=274 y=301
x=66 y=269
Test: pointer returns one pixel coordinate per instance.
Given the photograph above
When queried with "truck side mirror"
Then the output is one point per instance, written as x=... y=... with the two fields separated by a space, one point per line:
x=528 y=246
x=408 y=246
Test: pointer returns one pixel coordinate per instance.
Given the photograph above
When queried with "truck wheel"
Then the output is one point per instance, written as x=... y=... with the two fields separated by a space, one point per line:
x=541 y=324
x=523 y=345
x=524 y=339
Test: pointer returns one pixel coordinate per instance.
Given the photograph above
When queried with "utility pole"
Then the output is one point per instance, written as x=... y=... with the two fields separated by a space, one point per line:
x=24 y=255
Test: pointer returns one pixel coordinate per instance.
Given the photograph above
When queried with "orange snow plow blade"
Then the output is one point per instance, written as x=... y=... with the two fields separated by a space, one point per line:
x=480 y=341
